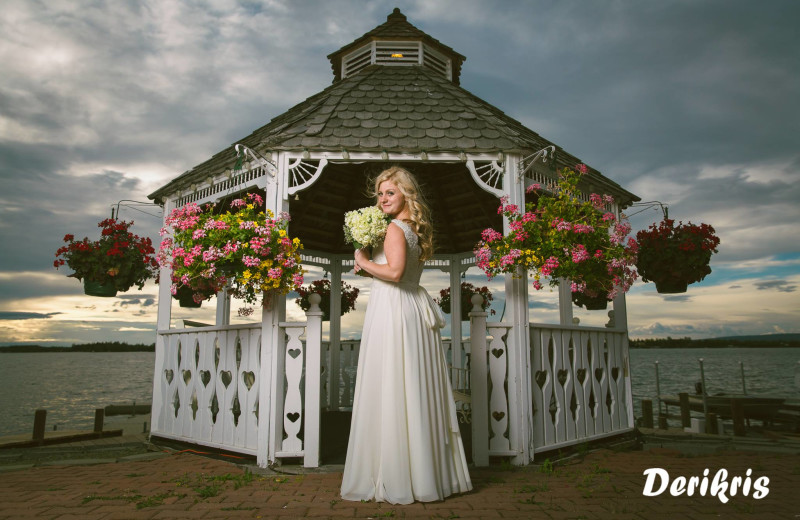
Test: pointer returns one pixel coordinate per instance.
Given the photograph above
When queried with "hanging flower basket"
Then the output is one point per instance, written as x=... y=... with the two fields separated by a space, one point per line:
x=244 y=247
x=591 y=303
x=562 y=236
x=116 y=262
x=674 y=256
x=467 y=290
x=349 y=295
x=94 y=288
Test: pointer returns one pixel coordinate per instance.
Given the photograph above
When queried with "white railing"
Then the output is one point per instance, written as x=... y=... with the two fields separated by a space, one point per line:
x=339 y=374
x=579 y=381
x=206 y=387
x=581 y=384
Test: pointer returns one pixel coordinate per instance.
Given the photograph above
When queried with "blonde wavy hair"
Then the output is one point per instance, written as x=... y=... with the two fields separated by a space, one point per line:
x=420 y=220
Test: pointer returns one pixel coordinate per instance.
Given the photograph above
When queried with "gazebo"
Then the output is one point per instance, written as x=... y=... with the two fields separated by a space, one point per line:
x=258 y=389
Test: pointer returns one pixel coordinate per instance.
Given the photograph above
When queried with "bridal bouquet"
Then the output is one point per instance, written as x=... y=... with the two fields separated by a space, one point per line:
x=365 y=227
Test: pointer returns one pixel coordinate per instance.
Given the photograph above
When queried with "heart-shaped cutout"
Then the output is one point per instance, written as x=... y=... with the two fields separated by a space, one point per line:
x=169 y=374
x=293 y=416
x=497 y=352
x=615 y=373
x=598 y=374
x=581 y=373
x=205 y=377
x=294 y=352
x=187 y=376
x=562 y=376
x=540 y=377
x=225 y=377
x=249 y=379
x=498 y=416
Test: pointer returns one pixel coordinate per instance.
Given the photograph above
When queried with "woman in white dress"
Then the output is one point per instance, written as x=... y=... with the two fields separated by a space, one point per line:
x=404 y=443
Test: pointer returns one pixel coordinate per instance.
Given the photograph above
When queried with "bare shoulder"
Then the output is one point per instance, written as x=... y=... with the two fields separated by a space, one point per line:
x=395 y=236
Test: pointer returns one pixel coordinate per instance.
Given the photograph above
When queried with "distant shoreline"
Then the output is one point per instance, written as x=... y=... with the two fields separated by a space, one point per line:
x=85 y=347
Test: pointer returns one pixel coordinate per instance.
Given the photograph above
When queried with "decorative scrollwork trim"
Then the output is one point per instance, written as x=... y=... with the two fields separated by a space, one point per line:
x=302 y=173
x=488 y=175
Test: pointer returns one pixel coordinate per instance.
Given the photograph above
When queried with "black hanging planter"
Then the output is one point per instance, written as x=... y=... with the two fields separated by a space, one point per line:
x=591 y=303
x=185 y=299
x=671 y=286
x=95 y=288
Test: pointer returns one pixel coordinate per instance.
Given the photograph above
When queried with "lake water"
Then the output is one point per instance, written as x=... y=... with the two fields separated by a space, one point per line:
x=71 y=385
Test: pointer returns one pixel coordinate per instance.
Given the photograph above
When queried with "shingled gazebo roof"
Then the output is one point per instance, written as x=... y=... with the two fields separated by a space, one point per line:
x=397 y=107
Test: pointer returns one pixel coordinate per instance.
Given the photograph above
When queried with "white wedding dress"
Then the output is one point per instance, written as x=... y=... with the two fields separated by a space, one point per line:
x=404 y=444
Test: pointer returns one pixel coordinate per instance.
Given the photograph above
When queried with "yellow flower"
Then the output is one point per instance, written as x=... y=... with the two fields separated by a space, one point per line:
x=282 y=233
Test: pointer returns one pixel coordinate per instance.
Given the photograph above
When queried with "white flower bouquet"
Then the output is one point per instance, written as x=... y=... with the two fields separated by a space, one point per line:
x=365 y=227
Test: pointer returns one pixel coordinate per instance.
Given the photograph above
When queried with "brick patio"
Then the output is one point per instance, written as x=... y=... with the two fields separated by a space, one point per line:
x=600 y=484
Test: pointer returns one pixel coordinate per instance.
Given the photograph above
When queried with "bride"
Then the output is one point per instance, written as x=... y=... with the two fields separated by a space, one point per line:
x=404 y=441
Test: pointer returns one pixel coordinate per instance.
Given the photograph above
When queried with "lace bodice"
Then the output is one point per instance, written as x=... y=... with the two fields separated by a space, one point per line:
x=413 y=270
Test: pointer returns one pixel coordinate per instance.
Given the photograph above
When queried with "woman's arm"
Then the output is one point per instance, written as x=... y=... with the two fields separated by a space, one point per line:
x=394 y=247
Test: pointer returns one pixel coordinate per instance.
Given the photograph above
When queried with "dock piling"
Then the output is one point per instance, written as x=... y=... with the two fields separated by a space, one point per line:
x=39 y=421
x=99 y=418
x=686 y=415
x=647 y=413
x=737 y=414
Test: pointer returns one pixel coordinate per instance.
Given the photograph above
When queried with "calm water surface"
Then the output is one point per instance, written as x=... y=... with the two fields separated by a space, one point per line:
x=71 y=385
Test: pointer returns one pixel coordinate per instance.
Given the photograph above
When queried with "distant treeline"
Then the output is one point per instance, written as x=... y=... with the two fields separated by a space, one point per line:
x=777 y=340
x=104 y=346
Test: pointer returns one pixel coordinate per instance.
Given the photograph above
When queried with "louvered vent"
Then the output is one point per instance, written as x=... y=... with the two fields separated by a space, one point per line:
x=356 y=60
x=437 y=62
x=395 y=53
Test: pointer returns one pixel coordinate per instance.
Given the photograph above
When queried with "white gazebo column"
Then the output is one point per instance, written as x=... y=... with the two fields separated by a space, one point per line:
x=163 y=323
x=619 y=319
x=518 y=343
x=334 y=392
x=455 y=312
x=223 y=308
x=270 y=423
x=564 y=301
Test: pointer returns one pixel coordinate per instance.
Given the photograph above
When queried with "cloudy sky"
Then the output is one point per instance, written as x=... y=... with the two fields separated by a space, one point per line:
x=694 y=104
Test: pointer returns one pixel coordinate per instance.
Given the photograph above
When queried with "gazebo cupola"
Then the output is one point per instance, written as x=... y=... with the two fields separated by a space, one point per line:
x=396 y=43
x=259 y=388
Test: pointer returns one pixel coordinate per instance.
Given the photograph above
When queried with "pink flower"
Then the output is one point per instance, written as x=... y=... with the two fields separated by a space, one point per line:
x=490 y=235
x=581 y=168
x=550 y=265
x=579 y=254
x=533 y=187
x=250 y=261
x=198 y=233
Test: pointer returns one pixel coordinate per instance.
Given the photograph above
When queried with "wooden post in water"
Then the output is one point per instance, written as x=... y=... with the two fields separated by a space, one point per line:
x=39 y=421
x=647 y=413
x=686 y=416
x=99 y=417
x=737 y=412
x=711 y=423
